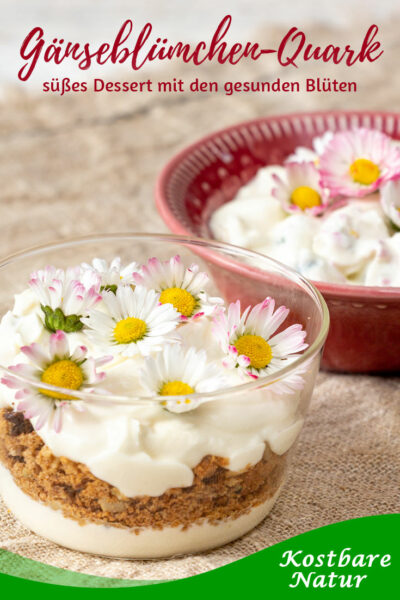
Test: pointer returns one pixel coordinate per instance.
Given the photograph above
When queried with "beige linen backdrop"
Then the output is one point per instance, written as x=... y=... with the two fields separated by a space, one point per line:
x=87 y=163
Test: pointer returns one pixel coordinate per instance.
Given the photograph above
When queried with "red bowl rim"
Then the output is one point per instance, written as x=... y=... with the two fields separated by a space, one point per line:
x=346 y=290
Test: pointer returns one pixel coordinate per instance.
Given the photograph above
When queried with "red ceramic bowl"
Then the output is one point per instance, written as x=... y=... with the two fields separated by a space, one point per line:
x=365 y=321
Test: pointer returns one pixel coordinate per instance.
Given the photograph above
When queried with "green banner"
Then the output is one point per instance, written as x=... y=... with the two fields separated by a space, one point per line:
x=358 y=558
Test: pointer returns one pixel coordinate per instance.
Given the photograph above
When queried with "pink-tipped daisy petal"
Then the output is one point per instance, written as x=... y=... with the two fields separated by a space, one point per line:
x=58 y=344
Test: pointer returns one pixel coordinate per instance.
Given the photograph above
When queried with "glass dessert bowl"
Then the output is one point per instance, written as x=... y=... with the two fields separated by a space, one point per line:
x=141 y=416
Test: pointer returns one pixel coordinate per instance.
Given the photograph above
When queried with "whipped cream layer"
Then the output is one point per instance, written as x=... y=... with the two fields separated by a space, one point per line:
x=142 y=449
x=352 y=244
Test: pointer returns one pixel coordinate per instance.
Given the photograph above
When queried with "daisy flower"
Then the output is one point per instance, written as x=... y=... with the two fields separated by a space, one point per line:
x=133 y=321
x=112 y=274
x=302 y=190
x=390 y=201
x=357 y=162
x=180 y=286
x=56 y=366
x=248 y=342
x=65 y=296
x=179 y=372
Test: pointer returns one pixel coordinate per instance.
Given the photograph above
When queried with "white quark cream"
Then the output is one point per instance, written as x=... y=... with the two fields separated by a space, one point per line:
x=144 y=449
x=349 y=237
x=249 y=216
x=385 y=265
x=351 y=244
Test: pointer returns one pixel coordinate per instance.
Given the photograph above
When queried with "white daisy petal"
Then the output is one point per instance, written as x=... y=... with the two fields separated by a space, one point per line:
x=59 y=346
x=23 y=370
x=36 y=354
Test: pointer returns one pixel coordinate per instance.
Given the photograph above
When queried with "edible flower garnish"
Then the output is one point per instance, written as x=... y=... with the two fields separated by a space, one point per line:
x=180 y=372
x=55 y=366
x=249 y=340
x=357 y=162
x=183 y=287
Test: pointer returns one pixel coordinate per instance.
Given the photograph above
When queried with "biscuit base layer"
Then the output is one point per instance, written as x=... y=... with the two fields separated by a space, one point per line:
x=120 y=542
x=216 y=494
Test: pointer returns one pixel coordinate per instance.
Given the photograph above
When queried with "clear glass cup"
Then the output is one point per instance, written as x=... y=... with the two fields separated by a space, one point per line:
x=252 y=428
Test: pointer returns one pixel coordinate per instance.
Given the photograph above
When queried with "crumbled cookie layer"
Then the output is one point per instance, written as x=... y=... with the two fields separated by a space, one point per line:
x=217 y=493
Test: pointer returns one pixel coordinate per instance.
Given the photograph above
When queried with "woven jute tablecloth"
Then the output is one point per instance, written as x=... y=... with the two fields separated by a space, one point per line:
x=81 y=164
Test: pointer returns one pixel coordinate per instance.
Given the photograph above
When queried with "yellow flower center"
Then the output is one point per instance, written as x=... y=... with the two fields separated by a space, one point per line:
x=256 y=349
x=129 y=330
x=181 y=299
x=63 y=373
x=176 y=388
x=364 y=171
x=305 y=197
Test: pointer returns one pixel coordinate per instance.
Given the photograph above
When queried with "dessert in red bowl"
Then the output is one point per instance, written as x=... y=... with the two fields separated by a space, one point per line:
x=365 y=319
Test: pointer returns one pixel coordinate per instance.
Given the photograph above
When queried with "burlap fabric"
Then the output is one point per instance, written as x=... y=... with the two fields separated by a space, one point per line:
x=82 y=164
